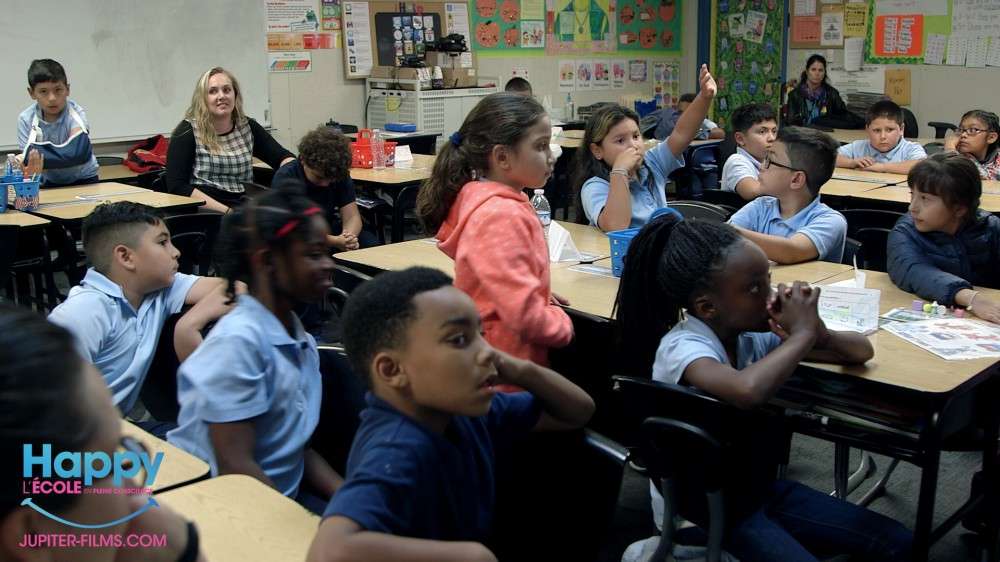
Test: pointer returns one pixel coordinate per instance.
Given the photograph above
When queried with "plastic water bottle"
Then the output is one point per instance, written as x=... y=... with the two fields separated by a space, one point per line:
x=543 y=210
x=569 y=110
x=13 y=168
x=378 y=150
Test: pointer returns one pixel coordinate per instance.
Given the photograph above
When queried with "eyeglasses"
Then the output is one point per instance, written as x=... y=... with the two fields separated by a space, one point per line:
x=767 y=164
x=971 y=131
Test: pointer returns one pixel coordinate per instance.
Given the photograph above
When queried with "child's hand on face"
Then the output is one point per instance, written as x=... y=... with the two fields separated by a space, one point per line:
x=950 y=140
x=794 y=310
x=707 y=83
x=629 y=159
x=510 y=369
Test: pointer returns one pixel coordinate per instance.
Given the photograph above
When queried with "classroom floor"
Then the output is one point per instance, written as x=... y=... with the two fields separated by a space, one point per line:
x=812 y=464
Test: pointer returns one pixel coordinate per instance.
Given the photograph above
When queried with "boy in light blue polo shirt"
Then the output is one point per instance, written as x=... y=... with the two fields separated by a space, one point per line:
x=788 y=221
x=55 y=118
x=117 y=312
x=885 y=150
x=755 y=126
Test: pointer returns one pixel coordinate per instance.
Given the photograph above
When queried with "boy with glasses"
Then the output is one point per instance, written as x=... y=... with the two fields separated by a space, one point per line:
x=788 y=221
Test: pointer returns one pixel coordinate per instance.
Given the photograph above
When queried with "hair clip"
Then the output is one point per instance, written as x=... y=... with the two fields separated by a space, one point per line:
x=291 y=224
x=456 y=139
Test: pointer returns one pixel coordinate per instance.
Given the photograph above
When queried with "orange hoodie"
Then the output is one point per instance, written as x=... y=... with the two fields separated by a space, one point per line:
x=502 y=262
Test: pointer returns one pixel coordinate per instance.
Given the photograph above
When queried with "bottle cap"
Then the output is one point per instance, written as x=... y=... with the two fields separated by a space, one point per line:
x=917 y=306
x=539 y=191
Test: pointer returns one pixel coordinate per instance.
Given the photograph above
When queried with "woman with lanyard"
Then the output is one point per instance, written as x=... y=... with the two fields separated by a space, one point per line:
x=211 y=151
x=814 y=98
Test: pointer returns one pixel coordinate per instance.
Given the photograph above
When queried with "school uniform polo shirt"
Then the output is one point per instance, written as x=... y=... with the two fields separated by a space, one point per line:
x=407 y=480
x=648 y=191
x=740 y=165
x=825 y=228
x=903 y=151
x=118 y=339
x=56 y=132
x=250 y=368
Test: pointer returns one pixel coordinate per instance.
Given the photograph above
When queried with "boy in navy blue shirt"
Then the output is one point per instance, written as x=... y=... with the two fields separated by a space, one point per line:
x=420 y=475
x=322 y=172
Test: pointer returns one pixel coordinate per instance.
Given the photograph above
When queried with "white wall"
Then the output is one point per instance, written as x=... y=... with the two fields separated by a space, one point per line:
x=301 y=101
x=937 y=93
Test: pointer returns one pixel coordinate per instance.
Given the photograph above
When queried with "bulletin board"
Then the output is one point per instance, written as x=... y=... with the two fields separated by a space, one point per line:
x=371 y=38
x=804 y=24
x=747 y=49
x=580 y=27
x=649 y=26
x=950 y=32
x=501 y=25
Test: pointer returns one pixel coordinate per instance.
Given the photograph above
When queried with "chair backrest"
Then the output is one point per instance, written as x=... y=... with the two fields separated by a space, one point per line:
x=8 y=249
x=933 y=148
x=851 y=250
x=191 y=245
x=700 y=210
x=109 y=160
x=723 y=198
x=869 y=218
x=910 y=124
x=726 y=149
x=873 y=254
x=157 y=181
x=205 y=224
x=347 y=279
x=941 y=128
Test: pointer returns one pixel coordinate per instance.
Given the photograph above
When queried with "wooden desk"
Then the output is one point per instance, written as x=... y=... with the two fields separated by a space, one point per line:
x=75 y=203
x=875 y=178
x=17 y=218
x=240 y=519
x=416 y=170
x=587 y=292
x=988 y=202
x=178 y=467
x=573 y=134
x=115 y=172
x=846 y=188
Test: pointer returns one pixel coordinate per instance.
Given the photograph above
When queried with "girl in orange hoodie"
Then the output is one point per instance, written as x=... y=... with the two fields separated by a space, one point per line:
x=474 y=200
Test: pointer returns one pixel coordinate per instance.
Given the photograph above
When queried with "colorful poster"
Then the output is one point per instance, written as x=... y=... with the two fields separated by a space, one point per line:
x=806 y=29
x=899 y=36
x=579 y=26
x=618 y=71
x=290 y=16
x=533 y=34
x=748 y=43
x=329 y=18
x=602 y=75
x=289 y=61
x=666 y=83
x=637 y=70
x=567 y=75
x=855 y=19
x=584 y=74
x=284 y=42
x=649 y=26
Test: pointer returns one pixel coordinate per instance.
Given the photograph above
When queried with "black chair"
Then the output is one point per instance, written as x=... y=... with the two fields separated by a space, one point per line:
x=194 y=235
x=873 y=254
x=110 y=160
x=263 y=175
x=158 y=182
x=941 y=128
x=910 y=124
x=8 y=249
x=725 y=199
x=688 y=442
x=700 y=210
x=868 y=218
x=373 y=212
x=851 y=250
x=933 y=148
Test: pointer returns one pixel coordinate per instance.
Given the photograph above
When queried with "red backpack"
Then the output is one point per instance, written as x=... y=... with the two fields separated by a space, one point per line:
x=148 y=155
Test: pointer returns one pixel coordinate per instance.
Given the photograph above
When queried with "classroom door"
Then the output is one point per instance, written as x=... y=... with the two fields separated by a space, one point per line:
x=748 y=49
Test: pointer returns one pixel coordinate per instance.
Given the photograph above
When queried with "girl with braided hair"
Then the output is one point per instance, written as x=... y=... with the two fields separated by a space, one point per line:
x=250 y=395
x=696 y=308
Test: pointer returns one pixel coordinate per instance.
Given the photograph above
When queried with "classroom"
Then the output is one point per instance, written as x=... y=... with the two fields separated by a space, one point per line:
x=598 y=280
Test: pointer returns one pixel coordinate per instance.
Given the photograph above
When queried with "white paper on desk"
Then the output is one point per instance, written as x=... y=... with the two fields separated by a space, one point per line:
x=561 y=246
x=849 y=309
x=950 y=339
x=403 y=153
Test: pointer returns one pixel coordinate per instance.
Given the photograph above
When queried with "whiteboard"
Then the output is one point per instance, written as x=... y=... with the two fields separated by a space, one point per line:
x=133 y=64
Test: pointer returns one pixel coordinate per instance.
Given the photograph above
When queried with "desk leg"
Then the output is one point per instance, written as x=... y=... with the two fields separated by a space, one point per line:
x=925 y=504
x=404 y=201
x=991 y=501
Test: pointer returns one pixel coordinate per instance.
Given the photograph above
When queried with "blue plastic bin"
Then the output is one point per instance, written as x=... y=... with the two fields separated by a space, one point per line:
x=644 y=108
x=25 y=193
x=619 y=240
